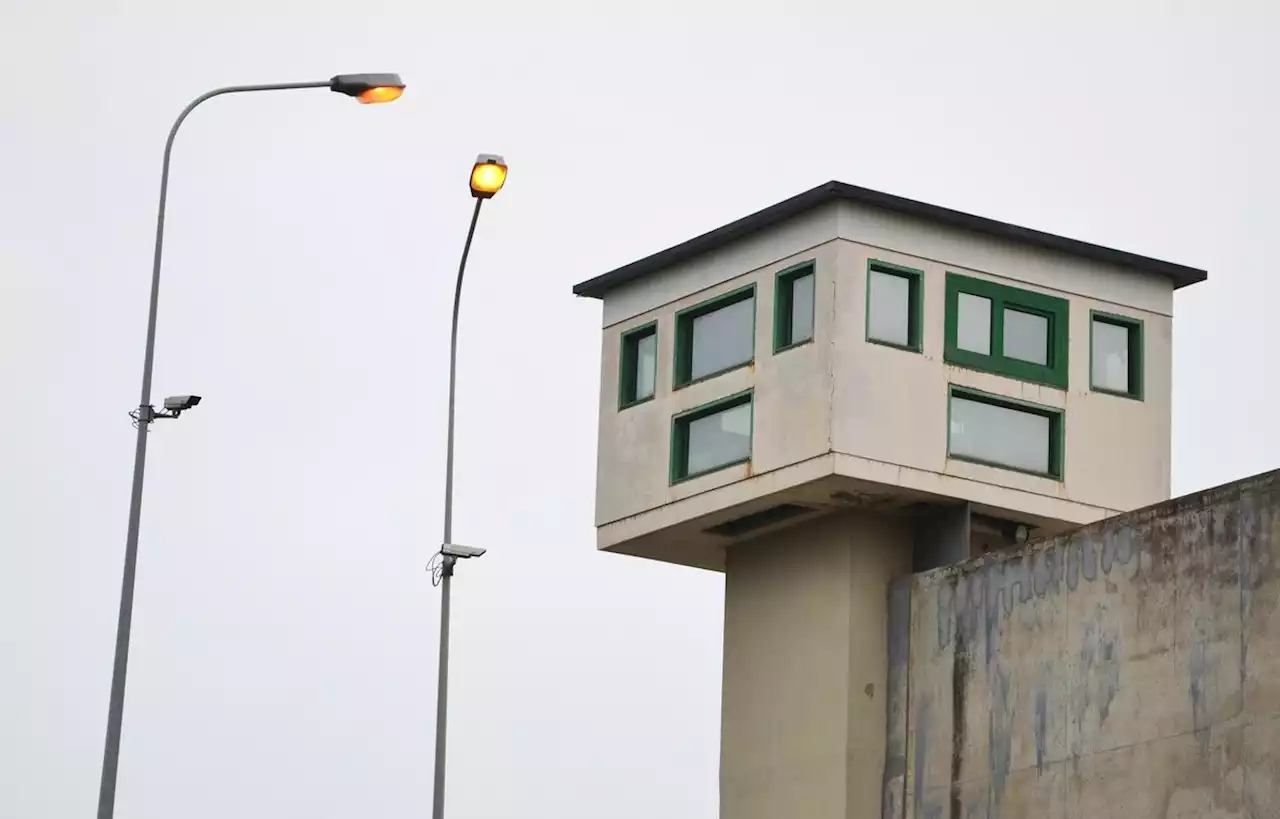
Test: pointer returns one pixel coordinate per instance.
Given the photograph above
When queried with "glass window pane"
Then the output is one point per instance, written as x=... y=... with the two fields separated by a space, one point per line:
x=1110 y=356
x=973 y=323
x=1000 y=435
x=1026 y=336
x=646 y=366
x=719 y=439
x=723 y=338
x=889 y=313
x=801 y=309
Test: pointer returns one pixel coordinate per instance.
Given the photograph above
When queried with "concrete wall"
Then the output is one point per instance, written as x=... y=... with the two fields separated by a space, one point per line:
x=883 y=411
x=890 y=231
x=792 y=397
x=1130 y=670
x=891 y=405
x=803 y=233
x=805 y=669
x=878 y=228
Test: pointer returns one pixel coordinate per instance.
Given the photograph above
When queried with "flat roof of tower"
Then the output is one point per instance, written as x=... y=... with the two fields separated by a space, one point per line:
x=833 y=191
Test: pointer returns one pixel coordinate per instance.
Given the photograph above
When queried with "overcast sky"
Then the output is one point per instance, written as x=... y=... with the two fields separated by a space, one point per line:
x=284 y=652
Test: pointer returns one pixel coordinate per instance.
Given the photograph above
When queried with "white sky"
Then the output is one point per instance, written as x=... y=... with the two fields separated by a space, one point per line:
x=285 y=633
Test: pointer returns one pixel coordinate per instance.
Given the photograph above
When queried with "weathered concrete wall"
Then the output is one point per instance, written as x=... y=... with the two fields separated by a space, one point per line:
x=892 y=406
x=633 y=465
x=883 y=412
x=1129 y=670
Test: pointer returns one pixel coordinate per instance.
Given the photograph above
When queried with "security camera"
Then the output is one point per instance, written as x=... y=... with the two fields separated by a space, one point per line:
x=455 y=550
x=178 y=403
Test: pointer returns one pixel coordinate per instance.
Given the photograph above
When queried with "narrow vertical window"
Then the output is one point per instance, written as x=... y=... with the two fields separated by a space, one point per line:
x=794 y=307
x=894 y=305
x=973 y=323
x=638 y=370
x=1115 y=346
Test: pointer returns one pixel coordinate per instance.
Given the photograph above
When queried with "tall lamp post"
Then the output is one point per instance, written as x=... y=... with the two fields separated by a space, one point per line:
x=487 y=177
x=366 y=88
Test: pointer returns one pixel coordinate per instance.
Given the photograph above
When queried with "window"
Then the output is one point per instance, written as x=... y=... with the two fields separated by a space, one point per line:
x=1026 y=336
x=1115 y=351
x=715 y=336
x=711 y=437
x=894 y=305
x=1006 y=330
x=638 y=367
x=793 y=307
x=1006 y=433
x=973 y=323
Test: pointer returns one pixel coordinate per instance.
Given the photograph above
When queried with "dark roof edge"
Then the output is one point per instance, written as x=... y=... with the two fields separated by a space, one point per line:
x=838 y=191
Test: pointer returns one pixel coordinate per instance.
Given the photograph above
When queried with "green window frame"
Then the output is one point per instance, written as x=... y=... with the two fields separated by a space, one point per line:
x=683 y=369
x=915 y=304
x=629 y=365
x=1136 y=350
x=783 y=302
x=680 y=425
x=1057 y=430
x=1003 y=297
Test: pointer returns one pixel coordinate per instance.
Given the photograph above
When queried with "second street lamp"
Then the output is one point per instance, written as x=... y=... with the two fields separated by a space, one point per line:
x=365 y=88
x=487 y=178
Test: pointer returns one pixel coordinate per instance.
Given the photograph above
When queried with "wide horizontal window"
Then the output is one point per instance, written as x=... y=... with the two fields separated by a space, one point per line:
x=793 y=307
x=711 y=437
x=638 y=368
x=1005 y=433
x=894 y=301
x=1115 y=349
x=715 y=336
x=1006 y=330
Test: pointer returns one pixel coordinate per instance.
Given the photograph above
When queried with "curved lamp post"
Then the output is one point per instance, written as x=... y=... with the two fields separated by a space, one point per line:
x=487 y=177
x=366 y=88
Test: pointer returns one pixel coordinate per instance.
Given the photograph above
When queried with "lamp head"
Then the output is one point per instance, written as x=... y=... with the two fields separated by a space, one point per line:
x=369 y=88
x=488 y=175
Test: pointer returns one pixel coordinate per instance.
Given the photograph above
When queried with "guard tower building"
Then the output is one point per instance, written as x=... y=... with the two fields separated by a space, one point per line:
x=846 y=387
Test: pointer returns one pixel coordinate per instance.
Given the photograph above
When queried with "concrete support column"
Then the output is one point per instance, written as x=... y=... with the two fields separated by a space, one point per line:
x=805 y=666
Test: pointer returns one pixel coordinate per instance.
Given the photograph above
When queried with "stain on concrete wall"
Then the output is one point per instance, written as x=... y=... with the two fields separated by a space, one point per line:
x=893 y=797
x=1128 y=670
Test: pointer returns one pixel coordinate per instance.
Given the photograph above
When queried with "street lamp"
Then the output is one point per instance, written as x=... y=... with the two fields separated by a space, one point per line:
x=366 y=88
x=487 y=178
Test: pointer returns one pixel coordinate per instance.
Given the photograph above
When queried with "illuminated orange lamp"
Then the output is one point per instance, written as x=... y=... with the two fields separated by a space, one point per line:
x=488 y=175
x=382 y=93
x=368 y=88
